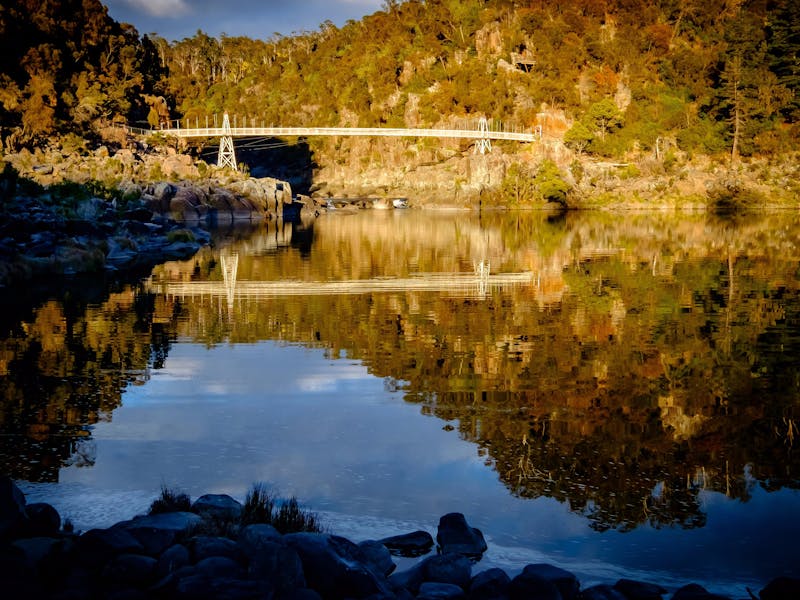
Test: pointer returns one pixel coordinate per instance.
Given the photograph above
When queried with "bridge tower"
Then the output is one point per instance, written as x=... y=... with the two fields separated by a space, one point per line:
x=483 y=144
x=227 y=156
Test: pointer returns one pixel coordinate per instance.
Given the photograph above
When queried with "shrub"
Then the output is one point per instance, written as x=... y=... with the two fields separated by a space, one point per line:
x=550 y=183
x=180 y=235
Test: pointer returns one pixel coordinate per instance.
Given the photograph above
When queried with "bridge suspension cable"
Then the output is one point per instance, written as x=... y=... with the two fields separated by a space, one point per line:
x=483 y=134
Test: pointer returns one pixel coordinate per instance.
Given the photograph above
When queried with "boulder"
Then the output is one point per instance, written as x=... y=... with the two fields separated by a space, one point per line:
x=217 y=506
x=173 y=558
x=158 y=532
x=489 y=584
x=454 y=535
x=219 y=566
x=204 y=546
x=43 y=520
x=184 y=205
x=602 y=592
x=121 y=253
x=408 y=581
x=781 y=588
x=12 y=508
x=565 y=581
x=412 y=544
x=199 y=587
x=694 y=591
x=131 y=570
x=178 y=166
x=163 y=192
x=451 y=568
x=377 y=557
x=38 y=551
x=279 y=566
x=440 y=591
x=91 y=209
x=530 y=586
x=334 y=566
x=97 y=546
x=254 y=536
x=639 y=590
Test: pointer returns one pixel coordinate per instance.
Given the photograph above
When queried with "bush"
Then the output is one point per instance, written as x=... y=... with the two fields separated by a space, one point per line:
x=180 y=235
x=734 y=198
x=550 y=183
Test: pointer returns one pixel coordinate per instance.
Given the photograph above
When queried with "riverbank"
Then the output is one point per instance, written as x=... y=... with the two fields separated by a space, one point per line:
x=216 y=547
x=72 y=229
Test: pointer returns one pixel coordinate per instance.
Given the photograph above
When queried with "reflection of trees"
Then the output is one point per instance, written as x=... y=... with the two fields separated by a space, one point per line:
x=650 y=359
x=64 y=368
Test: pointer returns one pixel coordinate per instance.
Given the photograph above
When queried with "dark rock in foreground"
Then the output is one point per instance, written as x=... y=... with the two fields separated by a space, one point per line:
x=178 y=556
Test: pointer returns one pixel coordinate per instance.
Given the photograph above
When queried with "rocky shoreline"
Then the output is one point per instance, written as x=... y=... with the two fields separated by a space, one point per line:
x=197 y=554
x=66 y=231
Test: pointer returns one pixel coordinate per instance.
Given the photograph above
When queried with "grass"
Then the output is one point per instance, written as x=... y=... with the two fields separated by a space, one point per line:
x=260 y=506
x=287 y=516
x=170 y=501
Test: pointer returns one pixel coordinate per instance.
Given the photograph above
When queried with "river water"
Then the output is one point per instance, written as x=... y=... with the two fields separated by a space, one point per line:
x=614 y=393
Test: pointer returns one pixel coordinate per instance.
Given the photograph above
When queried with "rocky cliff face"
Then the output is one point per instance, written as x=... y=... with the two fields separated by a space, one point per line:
x=432 y=172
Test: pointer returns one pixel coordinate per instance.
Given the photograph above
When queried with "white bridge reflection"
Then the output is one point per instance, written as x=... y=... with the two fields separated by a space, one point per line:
x=477 y=284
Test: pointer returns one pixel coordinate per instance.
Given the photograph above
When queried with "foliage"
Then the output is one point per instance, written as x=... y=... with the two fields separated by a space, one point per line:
x=287 y=517
x=170 y=501
x=715 y=76
x=517 y=188
x=180 y=235
x=69 y=67
x=550 y=183
x=578 y=137
x=259 y=505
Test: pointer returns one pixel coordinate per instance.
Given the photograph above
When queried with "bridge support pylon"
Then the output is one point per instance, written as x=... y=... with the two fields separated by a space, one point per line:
x=227 y=156
x=483 y=143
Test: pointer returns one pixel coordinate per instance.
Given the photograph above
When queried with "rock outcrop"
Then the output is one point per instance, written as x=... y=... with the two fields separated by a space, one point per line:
x=178 y=556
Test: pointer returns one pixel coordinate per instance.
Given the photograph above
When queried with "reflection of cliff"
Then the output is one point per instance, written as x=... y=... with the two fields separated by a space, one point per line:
x=648 y=359
x=64 y=368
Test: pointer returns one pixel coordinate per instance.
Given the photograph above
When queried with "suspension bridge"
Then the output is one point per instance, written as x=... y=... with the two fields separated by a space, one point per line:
x=483 y=133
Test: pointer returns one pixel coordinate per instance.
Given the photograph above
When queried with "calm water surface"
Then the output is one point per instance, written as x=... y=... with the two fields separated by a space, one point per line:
x=614 y=394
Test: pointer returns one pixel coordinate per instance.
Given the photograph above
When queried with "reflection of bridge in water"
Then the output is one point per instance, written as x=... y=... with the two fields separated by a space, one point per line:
x=477 y=284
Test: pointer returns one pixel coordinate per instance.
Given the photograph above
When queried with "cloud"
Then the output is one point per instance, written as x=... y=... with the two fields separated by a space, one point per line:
x=161 y=8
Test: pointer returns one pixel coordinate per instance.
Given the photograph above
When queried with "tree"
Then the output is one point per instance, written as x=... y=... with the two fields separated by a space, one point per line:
x=602 y=116
x=550 y=183
x=749 y=94
x=783 y=50
x=578 y=137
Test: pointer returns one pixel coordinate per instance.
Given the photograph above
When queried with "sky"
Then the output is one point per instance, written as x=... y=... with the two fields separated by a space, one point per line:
x=258 y=19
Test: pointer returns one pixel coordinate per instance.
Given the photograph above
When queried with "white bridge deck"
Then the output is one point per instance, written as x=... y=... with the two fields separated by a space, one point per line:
x=212 y=132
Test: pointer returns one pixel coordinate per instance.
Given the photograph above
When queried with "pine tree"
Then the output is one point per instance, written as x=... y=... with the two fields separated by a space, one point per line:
x=783 y=50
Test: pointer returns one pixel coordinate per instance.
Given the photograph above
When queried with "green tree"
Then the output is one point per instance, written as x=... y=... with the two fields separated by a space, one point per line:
x=602 y=117
x=550 y=183
x=783 y=48
x=750 y=94
x=578 y=137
